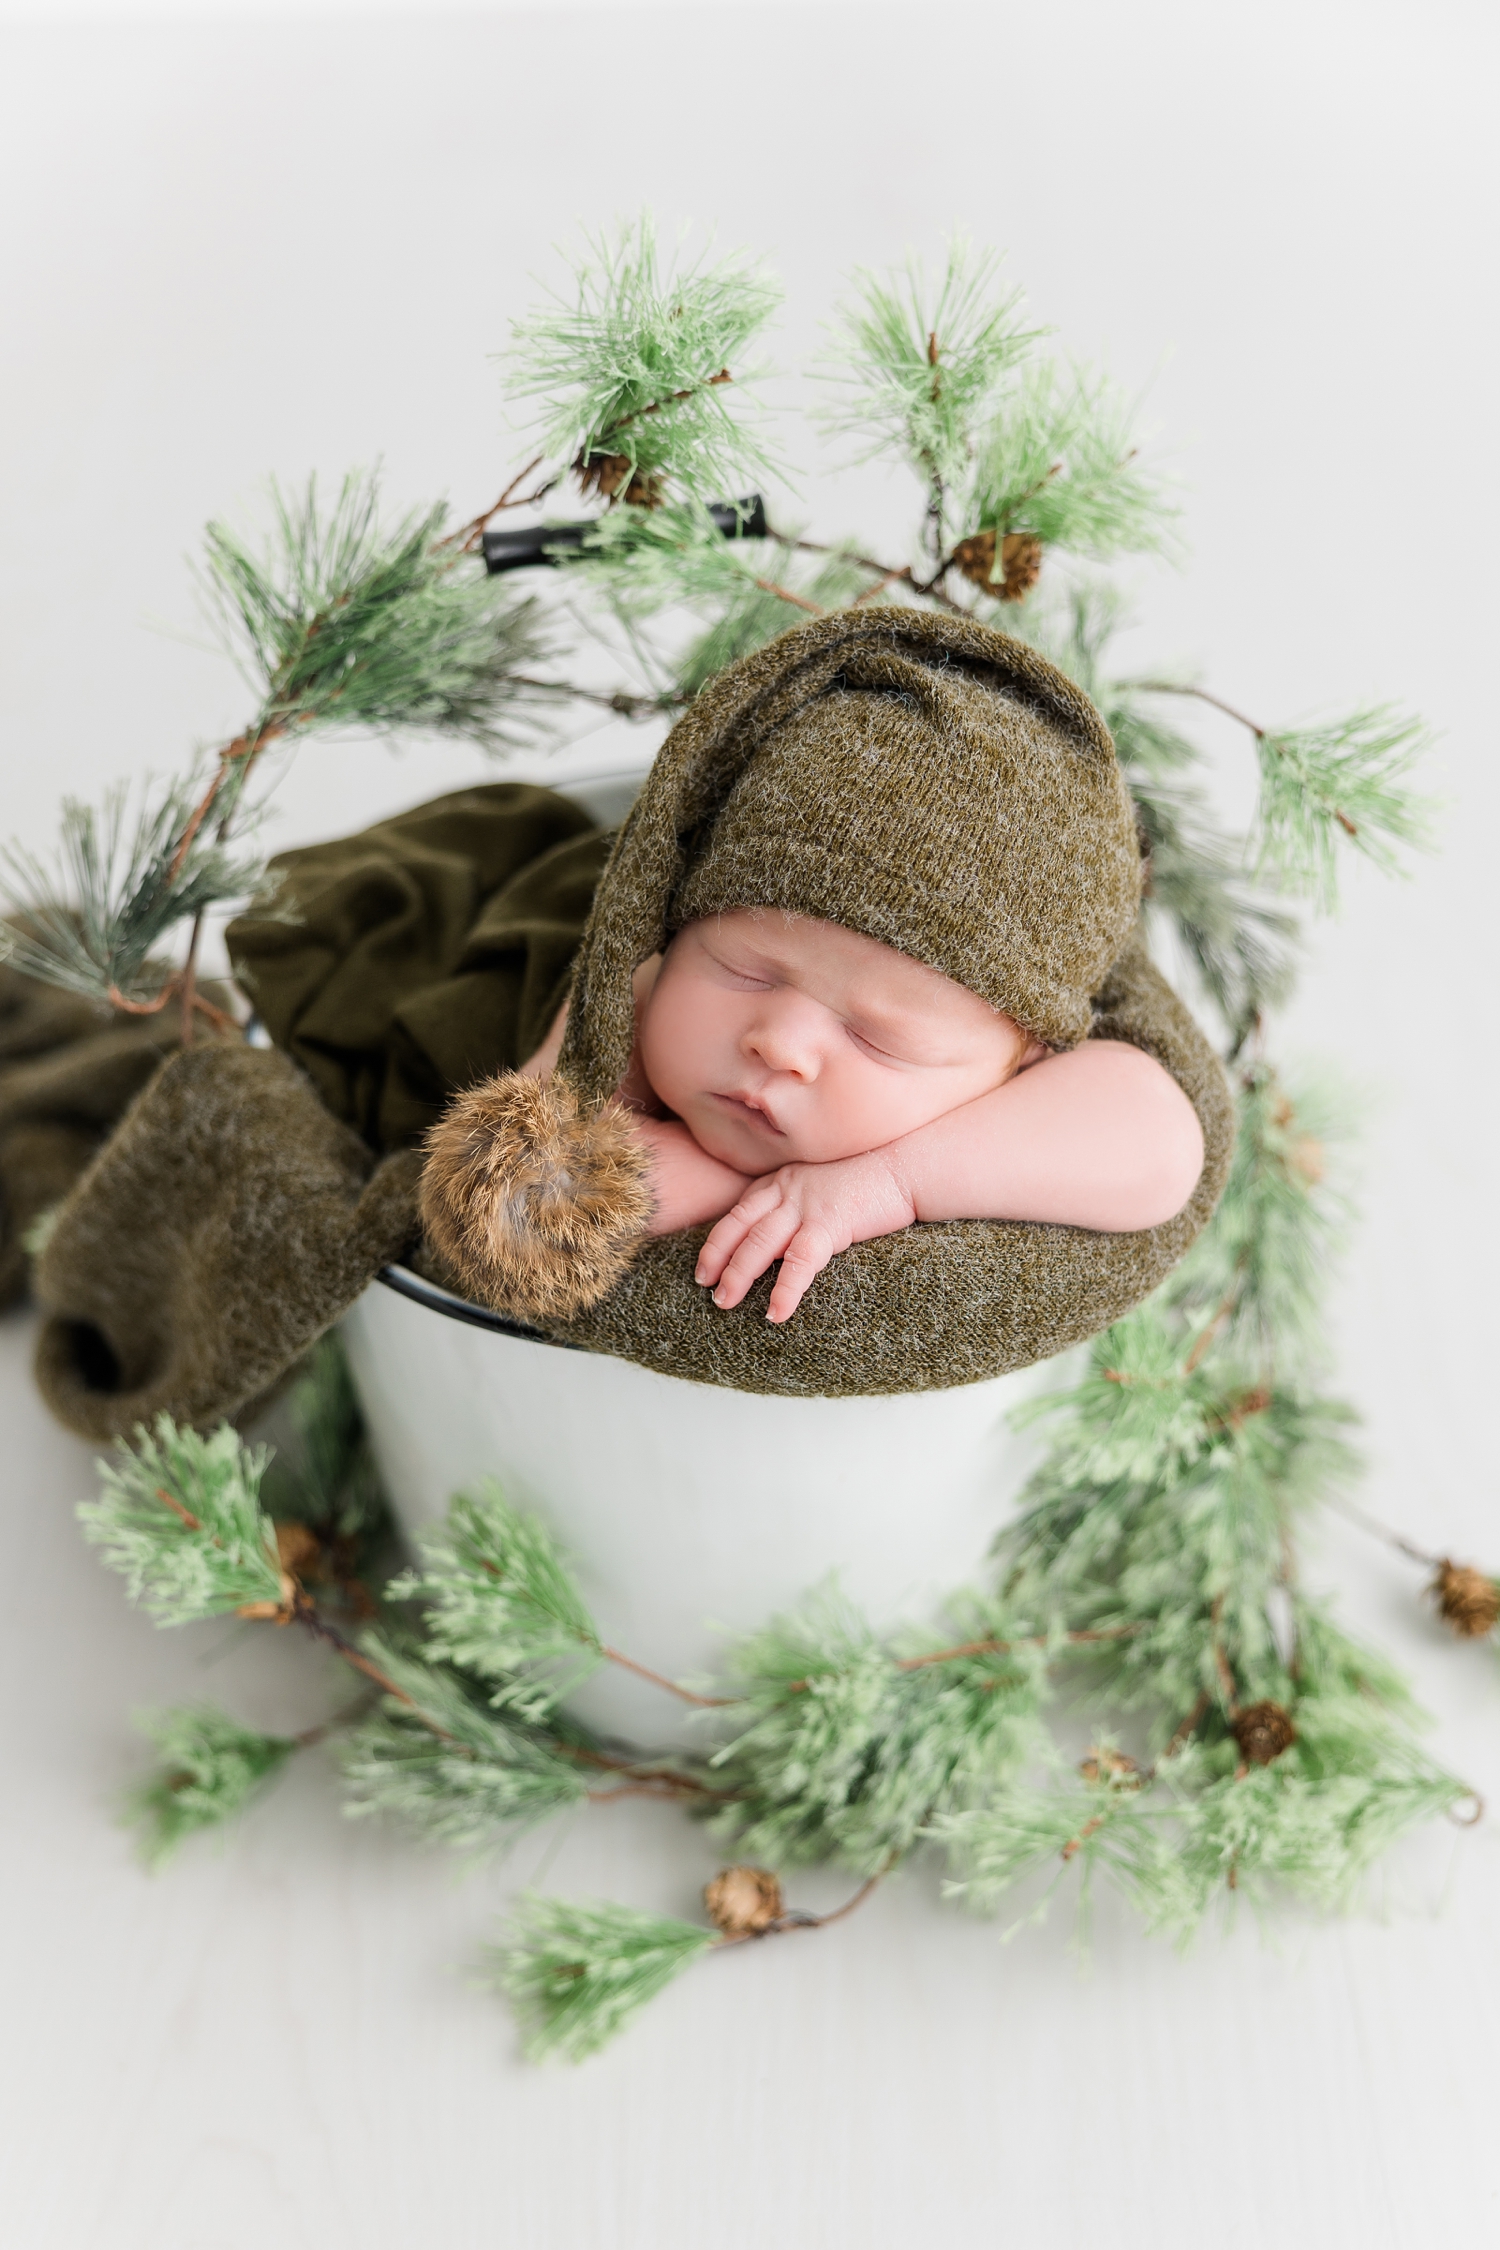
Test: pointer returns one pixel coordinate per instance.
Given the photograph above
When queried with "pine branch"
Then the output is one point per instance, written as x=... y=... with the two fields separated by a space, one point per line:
x=211 y=1768
x=503 y=1603
x=576 y=1971
x=344 y=622
x=1344 y=783
x=1059 y=462
x=844 y=1749
x=448 y=1766
x=179 y=1517
x=95 y=922
x=637 y=373
x=916 y=365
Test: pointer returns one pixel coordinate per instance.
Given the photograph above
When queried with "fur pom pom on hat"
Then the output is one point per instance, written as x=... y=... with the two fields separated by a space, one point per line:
x=923 y=780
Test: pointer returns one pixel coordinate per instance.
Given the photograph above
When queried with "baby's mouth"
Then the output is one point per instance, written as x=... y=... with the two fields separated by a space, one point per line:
x=745 y=1105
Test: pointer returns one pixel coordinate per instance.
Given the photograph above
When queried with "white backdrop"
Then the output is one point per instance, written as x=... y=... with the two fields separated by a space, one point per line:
x=242 y=243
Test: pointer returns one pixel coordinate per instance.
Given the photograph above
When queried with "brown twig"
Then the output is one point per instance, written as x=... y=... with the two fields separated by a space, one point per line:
x=1189 y=1726
x=171 y=1501
x=621 y=701
x=659 y=1679
x=639 y=413
x=1378 y=1530
x=1227 y=1687
x=1075 y=1844
x=1261 y=734
x=242 y=751
x=467 y=535
x=784 y=593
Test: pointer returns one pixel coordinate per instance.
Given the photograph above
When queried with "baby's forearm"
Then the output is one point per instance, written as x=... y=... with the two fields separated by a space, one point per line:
x=1100 y=1137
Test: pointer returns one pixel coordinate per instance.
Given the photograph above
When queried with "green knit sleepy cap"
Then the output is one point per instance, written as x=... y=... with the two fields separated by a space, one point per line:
x=921 y=779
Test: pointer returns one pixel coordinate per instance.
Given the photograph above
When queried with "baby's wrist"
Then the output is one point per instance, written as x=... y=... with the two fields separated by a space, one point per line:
x=883 y=1181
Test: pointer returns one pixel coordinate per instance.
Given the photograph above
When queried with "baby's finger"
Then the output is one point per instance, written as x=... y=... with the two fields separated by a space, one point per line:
x=728 y=1233
x=804 y=1257
x=762 y=1246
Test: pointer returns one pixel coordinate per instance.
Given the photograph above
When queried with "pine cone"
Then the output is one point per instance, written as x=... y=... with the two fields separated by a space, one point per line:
x=537 y=1206
x=1111 y=1766
x=743 y=1901
x=298 y=1550
x=1020 y=563
x=1263 y=1731
x=1468 y=1602
x=607 y=474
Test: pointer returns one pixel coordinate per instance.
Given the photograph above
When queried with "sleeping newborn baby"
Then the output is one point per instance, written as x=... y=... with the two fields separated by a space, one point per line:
x=840 y=977
x=808 y=1088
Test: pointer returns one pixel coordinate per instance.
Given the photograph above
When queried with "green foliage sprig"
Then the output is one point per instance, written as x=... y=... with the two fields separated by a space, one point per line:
x=211 y=1768
x=915 y=365
x=96 y=922
x=447 y=1764
x=634 y=371
x=504 y=1604
x=179 y=1517
x=345 y=621
x=577 y=1970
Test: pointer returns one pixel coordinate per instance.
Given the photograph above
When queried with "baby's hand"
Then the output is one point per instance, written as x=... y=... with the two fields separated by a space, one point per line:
x=804 y=1215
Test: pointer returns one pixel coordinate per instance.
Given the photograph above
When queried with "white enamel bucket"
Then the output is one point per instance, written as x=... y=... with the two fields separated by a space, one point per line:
x=691 y=1513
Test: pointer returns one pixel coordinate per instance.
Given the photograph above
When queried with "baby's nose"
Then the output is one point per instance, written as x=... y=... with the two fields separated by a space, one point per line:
x=785 y=1036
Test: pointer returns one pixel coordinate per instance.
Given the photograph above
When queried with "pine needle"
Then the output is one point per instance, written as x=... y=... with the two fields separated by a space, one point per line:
x=211 y=1767
x=918 y=363
x=845 y=1754
x=646 y=367
x=95 y=921
x=502 y=1602
x=1059 y=461
x=1343 y=785
x=577 y=1970
x=446 y=1766
x=179 y=1517
x=343 y=621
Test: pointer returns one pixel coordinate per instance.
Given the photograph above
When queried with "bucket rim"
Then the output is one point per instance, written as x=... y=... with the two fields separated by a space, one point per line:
x=436 y=1299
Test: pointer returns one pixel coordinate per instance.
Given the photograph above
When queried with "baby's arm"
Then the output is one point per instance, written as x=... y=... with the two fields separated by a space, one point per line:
x=1101 y=1137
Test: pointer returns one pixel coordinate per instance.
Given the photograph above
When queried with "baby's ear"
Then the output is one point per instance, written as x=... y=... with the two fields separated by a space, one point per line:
x=537 y=1205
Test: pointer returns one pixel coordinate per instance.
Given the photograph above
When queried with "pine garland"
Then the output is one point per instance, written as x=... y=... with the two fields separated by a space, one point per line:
x=1150 y=1576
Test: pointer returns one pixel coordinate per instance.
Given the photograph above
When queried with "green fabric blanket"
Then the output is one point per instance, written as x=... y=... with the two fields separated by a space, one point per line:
x=248 y=1196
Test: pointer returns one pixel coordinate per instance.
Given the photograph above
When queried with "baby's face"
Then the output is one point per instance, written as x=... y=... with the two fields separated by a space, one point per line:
x=778 y=1039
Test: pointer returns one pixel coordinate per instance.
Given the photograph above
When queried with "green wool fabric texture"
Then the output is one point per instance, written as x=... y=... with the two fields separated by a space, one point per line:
x=67 y=1071
x=227 y=1224
x=424 y=953
x=936 y=786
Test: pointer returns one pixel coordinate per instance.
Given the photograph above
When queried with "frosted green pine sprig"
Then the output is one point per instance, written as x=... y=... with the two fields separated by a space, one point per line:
x=447 y=1765
x=343 y=620
x=642 y=375
x=577 y=1970
x=1059 y=461
x=915 y=365
x=845 y=1746
x=502 y=1602
x=179 y=1516
x=95 y=921
x=1345 y=785
x=210 y=1768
